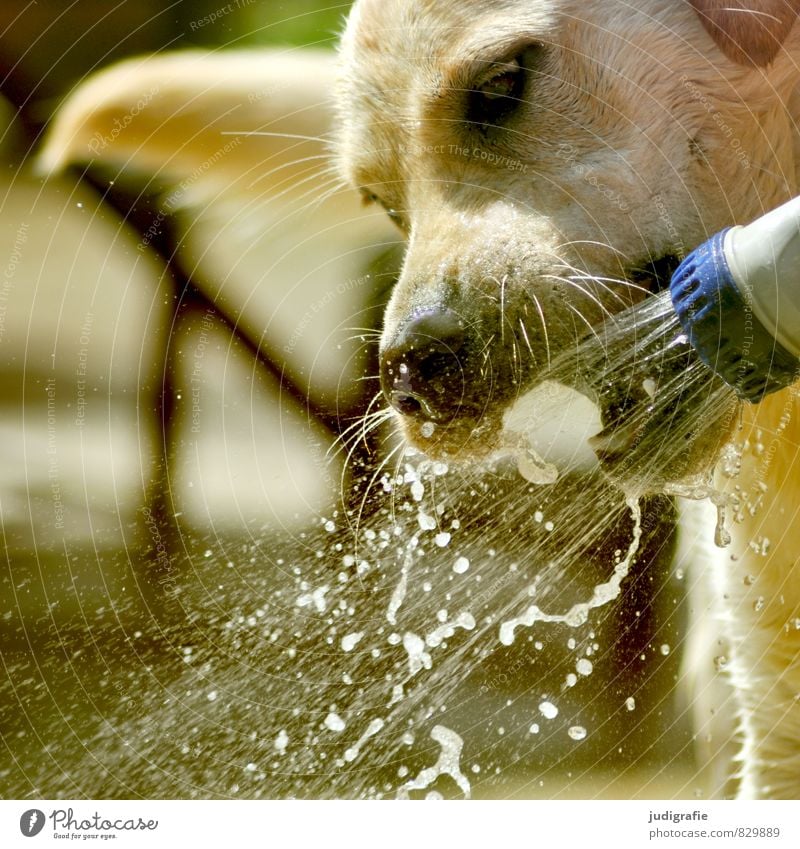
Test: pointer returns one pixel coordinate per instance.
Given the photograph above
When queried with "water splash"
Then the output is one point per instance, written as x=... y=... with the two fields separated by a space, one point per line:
x=603 y=593
x=373 y=728
x=296 y=644
x=448 y=764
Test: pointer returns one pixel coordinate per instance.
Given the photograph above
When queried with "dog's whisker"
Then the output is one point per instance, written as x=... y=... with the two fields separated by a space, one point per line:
x=294 y=163
x=325 y=176
x=612 y=281
x=608 y=284
x=368 y=490
x=372 y=421
x=485 y=350
x=782 y=177
x=362 y=435
x=363 y=424
x=595 y=243
x=366 y=423
x=503 y=308
x=620 y=282
x=525 y=336
x=294 y=136
x=365 y=331
x=347 y=465
x=331 y=186
x=368 y=419
x=321 y=191
x=753 y=12
x=603 y=308
x=592 y=329
x=539 y=309
x=360 y=337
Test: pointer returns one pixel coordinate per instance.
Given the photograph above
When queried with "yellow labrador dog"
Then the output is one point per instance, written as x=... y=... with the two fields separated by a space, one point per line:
x=547 y=161
x=537 y=153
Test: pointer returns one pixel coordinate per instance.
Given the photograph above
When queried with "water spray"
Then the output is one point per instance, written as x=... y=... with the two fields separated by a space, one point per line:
x=666 y=378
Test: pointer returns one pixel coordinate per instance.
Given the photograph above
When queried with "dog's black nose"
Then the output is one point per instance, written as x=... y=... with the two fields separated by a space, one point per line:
x=421 y=374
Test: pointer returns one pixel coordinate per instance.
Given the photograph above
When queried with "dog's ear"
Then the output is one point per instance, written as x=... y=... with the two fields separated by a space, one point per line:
x=749 y=32
x=186 y=116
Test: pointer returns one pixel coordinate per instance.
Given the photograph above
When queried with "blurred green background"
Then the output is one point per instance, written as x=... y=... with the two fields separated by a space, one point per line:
x=47 y=47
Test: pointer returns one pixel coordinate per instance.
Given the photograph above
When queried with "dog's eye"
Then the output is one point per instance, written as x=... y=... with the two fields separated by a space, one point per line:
x=503 y=84
x=394 y=216
x=498 y=94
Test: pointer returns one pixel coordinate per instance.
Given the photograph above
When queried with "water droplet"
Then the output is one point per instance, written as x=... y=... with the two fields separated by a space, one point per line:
x=630 y=703
x=577 y=732
x=584 y=666
x=461 y=565
x=349 y=641
x=333 y=722
x=281 y=742
x=426 y=522
x=548 y=710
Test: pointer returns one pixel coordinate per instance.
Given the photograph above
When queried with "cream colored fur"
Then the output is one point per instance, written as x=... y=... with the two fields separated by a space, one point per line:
x=626 y=87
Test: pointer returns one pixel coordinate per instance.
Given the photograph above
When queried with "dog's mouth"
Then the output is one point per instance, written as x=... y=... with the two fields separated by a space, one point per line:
x=635 y=401
x=585 y=408
x=654 y=275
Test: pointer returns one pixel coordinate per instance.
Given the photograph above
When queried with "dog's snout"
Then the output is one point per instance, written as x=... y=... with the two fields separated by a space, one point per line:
x=421 y=373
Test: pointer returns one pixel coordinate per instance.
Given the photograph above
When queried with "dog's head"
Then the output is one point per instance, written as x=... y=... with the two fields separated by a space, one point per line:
x=546 y=159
